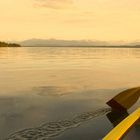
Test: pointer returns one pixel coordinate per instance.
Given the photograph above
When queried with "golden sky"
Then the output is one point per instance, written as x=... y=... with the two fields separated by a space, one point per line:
x=105 y=20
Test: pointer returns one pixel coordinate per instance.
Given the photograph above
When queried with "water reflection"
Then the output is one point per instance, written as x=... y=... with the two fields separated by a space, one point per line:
x=68 y=53
x=52 y=129
x=53 y=57
x=116 y=117
x=35 y=80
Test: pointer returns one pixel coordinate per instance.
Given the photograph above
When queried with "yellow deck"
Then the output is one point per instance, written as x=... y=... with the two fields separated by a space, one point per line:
x=121 y=129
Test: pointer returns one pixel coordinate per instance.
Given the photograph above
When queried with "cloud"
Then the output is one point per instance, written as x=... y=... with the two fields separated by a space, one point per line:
x=54 y=4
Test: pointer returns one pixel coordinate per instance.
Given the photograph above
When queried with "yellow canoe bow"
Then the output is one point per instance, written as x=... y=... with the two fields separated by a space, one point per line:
x=122 y=128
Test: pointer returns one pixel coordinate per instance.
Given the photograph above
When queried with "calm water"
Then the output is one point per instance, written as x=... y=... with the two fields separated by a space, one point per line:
x=42 y=85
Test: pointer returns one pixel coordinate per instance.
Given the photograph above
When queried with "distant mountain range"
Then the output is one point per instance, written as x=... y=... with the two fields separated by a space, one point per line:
x=73 y=43
x=55 y=42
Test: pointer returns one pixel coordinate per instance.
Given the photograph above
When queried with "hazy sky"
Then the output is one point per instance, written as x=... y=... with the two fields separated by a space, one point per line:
x=106 y=20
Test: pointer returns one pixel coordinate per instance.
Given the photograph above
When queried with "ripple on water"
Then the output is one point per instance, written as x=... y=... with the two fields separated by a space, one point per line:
x=53 y=129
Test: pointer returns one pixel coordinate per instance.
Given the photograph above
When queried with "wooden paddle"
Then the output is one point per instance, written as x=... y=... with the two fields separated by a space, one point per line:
x=125 y=99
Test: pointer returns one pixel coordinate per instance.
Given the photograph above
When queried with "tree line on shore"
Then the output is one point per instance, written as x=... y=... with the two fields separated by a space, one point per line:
x=4 y=44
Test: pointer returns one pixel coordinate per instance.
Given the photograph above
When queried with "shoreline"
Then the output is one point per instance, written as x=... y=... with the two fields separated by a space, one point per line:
x=86 y=46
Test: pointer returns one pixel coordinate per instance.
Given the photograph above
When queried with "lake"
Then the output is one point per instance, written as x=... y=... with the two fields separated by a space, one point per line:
x=60 y=93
